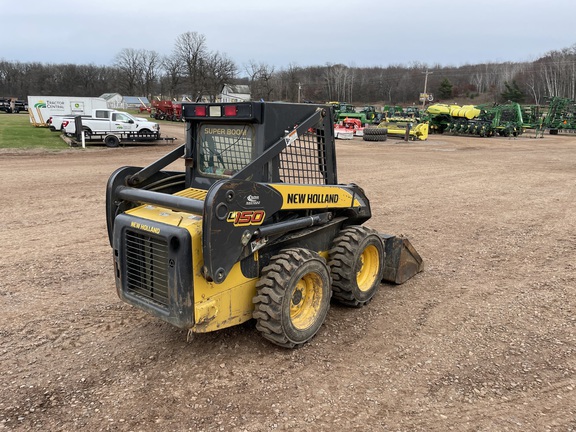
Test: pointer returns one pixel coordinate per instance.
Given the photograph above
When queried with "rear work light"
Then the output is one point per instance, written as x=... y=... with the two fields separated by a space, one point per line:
x=215 y=111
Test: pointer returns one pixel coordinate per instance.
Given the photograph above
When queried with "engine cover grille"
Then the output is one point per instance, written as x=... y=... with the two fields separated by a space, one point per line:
x=147 y=260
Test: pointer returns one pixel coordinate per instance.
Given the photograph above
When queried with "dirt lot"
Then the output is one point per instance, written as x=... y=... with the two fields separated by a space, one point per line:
x=483 y=340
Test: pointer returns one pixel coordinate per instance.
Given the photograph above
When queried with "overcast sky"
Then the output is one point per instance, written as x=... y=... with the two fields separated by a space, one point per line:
x=297 y=32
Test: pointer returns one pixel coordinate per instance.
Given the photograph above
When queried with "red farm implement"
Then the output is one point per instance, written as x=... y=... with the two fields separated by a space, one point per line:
x=166 y=110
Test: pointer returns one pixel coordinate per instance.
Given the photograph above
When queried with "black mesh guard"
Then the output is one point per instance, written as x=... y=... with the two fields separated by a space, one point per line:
x=303 y=161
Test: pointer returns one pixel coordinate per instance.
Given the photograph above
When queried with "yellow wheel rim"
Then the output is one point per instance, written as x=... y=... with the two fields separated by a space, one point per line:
x=369 y=266
x=306 y=300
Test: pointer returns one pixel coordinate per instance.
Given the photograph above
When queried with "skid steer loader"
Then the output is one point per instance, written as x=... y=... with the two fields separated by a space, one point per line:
x=254 y=226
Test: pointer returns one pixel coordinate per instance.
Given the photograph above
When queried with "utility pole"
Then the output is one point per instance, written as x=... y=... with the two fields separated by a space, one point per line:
x=425 y=85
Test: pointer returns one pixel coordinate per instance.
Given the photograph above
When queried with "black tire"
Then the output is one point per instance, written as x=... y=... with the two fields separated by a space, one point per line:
x=374 y=137
x=161 y=116
x=293 y=297
x=375 y=131
x=112 y=141
x=145 y=133
x=356 y=262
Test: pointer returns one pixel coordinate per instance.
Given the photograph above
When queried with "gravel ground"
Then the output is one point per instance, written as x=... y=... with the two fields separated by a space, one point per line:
x=482 y=340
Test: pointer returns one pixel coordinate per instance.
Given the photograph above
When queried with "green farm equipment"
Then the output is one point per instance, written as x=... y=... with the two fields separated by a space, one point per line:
x=343 y=111
x=481 y=120
x=370 y=112
x=341 y=107
x=343 y=116
x=560 y=116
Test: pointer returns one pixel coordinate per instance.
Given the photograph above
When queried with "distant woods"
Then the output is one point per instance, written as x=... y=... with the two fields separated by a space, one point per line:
x=193 y=70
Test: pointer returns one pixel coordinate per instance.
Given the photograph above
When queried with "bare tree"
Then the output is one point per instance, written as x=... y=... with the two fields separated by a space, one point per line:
x=174 y=72
x=218 y=70
x=337 y=80
x=129 y=62
x=260 y=76
x=558 y=72
x=190 y=49
x=289 y=83
x=252 y=69
x=151 y=63
x=478 y=80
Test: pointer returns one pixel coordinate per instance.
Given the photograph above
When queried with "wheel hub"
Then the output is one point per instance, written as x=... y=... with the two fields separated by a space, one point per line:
x=297 y=297
x=305 y=301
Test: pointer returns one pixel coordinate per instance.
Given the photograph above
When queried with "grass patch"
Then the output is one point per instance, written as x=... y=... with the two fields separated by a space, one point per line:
x=17 y=132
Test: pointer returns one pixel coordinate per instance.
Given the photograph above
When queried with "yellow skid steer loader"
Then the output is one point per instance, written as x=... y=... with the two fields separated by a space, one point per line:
x=254 y=226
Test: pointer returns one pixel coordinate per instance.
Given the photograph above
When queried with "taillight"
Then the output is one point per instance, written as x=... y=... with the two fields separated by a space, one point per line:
x=250 y=111
x=230 y=110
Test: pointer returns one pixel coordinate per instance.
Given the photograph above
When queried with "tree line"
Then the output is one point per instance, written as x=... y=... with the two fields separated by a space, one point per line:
x=193 y=70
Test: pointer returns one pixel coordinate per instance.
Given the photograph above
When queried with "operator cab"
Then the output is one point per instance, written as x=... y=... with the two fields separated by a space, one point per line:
x=232 y=140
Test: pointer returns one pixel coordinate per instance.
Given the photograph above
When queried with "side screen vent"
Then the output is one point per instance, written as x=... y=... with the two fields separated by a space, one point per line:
x=147 y=267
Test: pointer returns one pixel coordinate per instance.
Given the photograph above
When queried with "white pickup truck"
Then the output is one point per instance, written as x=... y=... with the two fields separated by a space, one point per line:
x=56 y=123
x=111 y=121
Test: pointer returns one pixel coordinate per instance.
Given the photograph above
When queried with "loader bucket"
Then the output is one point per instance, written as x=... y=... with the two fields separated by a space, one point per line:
x=402 y=260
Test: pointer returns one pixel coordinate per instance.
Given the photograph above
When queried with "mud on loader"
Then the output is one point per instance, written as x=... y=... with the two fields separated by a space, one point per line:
x=254 y=226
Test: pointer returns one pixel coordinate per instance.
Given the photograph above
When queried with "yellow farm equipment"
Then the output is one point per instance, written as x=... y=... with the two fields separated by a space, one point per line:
x=408 y=128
